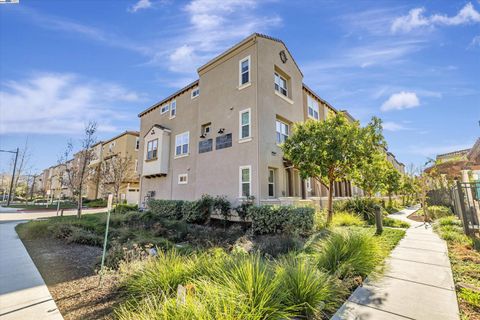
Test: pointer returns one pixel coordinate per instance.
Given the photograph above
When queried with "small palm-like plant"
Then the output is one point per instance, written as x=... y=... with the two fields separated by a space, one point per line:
x=347 y=254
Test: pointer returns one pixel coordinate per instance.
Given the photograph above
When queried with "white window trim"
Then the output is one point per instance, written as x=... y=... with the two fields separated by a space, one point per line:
x=177 y=156
x=271 y=183
x=240 y=190
x=240 y=85
x=283 y=97
x=288 y=126
x=171 y=117
x=167 y=105
x=183 y=175
x=195 y=89
x=309 y=98
x=249 y=137
x=152 y=142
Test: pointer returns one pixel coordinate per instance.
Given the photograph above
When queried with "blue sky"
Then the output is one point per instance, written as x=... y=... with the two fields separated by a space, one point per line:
x=415 y=64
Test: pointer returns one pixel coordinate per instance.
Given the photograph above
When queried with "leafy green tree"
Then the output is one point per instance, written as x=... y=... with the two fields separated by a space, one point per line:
x=332 y=150
x=392 y=182
x=370 y=176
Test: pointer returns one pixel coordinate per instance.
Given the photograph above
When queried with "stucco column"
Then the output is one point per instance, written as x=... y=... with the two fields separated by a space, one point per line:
x=465 y=177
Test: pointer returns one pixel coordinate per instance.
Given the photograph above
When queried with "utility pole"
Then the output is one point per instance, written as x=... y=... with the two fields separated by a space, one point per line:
x=13 y=174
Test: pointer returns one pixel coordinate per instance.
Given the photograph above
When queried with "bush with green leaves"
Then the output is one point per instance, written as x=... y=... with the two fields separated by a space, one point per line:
x=346 y=219
x=437 y=212
x=395 y=223
x=268 y=219
x=347 y=253
x=362 y=206
x=97 y=203
x=168 y=209
x=124 y=208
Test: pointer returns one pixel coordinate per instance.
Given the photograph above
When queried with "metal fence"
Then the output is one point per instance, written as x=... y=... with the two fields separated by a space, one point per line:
x=466 y=199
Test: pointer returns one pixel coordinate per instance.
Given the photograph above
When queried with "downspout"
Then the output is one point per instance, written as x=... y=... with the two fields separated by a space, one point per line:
x=257 y=122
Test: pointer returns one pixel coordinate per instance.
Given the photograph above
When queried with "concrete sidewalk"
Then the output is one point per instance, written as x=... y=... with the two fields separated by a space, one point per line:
x=11 y=214
x=23 y=293
x=417 y=282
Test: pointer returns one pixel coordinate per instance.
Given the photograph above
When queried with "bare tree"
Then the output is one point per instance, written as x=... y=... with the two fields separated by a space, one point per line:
x=74 y=172
x=115 y=172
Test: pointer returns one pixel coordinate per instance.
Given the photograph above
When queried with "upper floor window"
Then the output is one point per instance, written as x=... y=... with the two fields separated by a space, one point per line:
x=165 y=108
x=281 y=84
x=244 y=71
x=181 y=143
x=206 y=128
x=152 y=147
x=195 y=92
x=282 y=131
x=312 y=108
x=173 y=109
x=245 y=120
x=137 y=143
x=111 y=146
x=183 y=178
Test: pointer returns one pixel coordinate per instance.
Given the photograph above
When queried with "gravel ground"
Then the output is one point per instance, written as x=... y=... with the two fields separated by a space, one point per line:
x=69 y=272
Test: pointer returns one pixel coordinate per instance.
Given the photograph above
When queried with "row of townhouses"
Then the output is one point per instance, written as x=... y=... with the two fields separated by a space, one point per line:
x=221 y=134
x=124 y=145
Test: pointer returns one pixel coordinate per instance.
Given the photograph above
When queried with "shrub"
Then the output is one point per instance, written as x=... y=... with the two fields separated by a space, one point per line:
x=347 y=254
x=82 y=236
x=124 y=208
x=198 y=211
x=395 y=223
x=276 y=245
x=365 y=207
x=345 y=219
x=449 y=221
x=169 y=209
x=277 y=219
x=438 y=212
x=97 y=203
x=222 y=206
x=310 y=291
x=160 y=275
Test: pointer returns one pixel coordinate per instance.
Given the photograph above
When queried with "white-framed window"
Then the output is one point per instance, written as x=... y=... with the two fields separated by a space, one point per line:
x=173 y=109
x=181 y=143
x=281 y=84
x=152 y=147
x=183 y=178
x=137 y=143
x=165 y=108
x=244 y=71
x=245 y=178
x=111 y=146
x=195 y=93
x=283 y=131
x=312 y=108
x=271 y=183
x=245 y=124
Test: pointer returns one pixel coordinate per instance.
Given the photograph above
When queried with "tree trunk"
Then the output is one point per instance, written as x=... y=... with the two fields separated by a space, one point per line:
x=330 y=202
x=390 y=199
x=79 y=207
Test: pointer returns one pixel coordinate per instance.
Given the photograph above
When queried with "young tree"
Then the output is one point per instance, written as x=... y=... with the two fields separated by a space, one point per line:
x=115 y=172
x=332 y=150
x=74 y=172
x=392 y=182
x=370 y=176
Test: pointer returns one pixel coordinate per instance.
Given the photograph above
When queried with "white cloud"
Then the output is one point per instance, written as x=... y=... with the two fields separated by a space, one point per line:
x=141 y=4
x=475 y=42
x=416 y=19
x=61 y=103
x=393 y=126
x=214 y=25
x=401 y=100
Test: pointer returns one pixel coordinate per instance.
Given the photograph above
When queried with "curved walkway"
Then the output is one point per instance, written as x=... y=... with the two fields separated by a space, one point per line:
x=416 y=283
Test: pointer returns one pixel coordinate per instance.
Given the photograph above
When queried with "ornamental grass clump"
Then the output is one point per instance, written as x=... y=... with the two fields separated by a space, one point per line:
x=346 y=219
x=347 y=254
x=311 y=292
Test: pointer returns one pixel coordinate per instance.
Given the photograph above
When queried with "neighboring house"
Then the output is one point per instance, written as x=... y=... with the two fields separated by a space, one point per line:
x=124 y=146
x=396 y=164
x=220 y=135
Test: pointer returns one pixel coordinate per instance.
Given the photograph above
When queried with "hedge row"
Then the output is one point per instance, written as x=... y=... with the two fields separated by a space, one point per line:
x=281 y=219
x=198 y=211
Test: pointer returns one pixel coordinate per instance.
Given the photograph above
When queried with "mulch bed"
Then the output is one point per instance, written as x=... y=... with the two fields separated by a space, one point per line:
x=69 y=272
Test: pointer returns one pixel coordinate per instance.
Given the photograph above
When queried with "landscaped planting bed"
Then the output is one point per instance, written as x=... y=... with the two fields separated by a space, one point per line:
x=285 y=264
